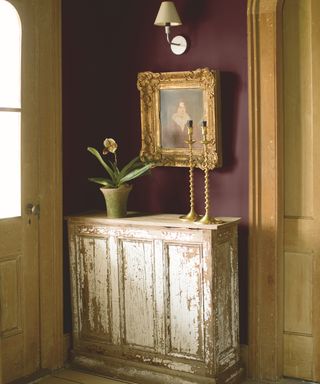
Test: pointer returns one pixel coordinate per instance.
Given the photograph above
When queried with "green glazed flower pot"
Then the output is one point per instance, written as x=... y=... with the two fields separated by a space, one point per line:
x=116 y=200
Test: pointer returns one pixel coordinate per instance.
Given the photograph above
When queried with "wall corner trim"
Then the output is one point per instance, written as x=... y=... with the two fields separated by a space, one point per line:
x=264 y=20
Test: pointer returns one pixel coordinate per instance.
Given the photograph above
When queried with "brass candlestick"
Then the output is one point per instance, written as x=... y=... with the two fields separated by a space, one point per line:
x=192 y=215
x=206 y=219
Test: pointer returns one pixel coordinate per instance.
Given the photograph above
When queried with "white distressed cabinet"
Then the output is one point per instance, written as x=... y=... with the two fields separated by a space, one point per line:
x=155 y=299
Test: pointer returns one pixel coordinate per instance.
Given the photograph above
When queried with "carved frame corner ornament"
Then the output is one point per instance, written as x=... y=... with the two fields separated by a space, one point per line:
x=156 y=90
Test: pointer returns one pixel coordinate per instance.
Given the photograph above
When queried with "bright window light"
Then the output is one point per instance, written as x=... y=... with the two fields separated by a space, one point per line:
x=10 y=53
x=10 y=159
x=10 y=113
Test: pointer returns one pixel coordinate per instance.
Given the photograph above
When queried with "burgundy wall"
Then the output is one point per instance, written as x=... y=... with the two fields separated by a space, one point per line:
x=105 y=45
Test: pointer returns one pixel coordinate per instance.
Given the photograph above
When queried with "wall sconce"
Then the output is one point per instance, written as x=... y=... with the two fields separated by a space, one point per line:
x=168 y=17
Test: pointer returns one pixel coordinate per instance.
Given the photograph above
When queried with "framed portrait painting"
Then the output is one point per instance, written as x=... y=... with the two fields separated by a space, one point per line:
x=168 y=101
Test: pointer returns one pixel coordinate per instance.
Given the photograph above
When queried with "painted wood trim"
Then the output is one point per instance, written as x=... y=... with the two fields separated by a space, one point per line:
x=0 y=348
x=315 y=31
x=50 y=176
x=265 y=189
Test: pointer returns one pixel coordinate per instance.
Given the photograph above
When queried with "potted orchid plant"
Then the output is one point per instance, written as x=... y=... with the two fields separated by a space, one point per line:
x=116 y=185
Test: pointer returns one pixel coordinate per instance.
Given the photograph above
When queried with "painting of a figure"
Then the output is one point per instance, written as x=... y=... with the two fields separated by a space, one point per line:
x=168 y=100
x=177 y=106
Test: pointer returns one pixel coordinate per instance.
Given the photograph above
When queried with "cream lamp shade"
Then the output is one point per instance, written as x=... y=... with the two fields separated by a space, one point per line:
x=167 y=15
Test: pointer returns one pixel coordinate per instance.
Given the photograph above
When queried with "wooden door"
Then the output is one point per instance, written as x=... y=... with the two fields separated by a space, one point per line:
x=19 y=264
x=301 y=27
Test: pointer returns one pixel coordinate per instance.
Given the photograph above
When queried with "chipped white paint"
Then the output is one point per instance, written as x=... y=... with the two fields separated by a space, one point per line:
x=155 y=298
x=115 y=294
x=94 y=293
x=185 y=304
x=137 y=289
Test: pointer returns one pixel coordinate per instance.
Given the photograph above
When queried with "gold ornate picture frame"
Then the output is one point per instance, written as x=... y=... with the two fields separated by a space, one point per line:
x=168 y=100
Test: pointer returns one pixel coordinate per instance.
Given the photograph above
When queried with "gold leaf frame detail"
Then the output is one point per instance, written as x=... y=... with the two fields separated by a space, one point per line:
x=150 y=84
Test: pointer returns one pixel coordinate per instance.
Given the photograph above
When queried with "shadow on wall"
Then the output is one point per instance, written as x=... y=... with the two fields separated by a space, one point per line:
x=229 y=104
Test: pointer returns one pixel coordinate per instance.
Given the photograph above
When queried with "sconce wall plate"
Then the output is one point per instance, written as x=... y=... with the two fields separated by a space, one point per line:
x=178 y=45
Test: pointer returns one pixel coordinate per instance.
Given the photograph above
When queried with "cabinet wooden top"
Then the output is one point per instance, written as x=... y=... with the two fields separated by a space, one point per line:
x=156 y=220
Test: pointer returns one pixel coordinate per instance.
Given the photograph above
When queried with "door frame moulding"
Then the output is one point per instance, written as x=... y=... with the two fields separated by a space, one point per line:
x=50 y=182
x=264 y=21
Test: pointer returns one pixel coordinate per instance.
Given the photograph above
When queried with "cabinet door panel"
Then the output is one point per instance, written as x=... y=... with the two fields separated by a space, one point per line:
x=184 y=300
x=94 y=294
x=137 y=288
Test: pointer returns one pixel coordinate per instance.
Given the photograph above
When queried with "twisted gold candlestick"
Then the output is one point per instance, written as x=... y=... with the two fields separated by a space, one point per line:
x=192 y=215
x=207 y=219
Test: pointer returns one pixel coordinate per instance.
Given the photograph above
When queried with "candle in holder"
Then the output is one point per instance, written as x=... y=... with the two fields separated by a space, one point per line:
x=206 y=219
x=192 y=215
x=204 y=128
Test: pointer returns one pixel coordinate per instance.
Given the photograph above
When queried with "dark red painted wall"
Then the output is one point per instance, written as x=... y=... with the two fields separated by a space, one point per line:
x=105 y=45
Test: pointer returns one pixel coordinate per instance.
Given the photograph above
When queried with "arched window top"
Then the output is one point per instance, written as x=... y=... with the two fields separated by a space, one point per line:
x=10 y=53
x=10 y=110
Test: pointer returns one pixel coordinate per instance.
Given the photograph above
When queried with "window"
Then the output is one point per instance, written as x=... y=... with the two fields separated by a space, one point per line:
x=10 y=111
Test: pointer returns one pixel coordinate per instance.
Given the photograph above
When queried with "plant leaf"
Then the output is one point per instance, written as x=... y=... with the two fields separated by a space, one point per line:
x=116 y=172
x=102 y=181
x=134 y=163
x=136 y=173
x=95 y=153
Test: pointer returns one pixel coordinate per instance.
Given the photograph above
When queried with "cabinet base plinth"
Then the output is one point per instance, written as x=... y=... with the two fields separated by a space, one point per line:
x=144 y=374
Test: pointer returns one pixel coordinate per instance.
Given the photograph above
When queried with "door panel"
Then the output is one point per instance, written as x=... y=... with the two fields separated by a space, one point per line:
x=302 y=188
x=298 y=292
x=298 y=352
x=10 y=289
x=19 y=264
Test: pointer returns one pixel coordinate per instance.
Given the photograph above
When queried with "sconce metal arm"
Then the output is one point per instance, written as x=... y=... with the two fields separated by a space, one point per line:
x=167 y=30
